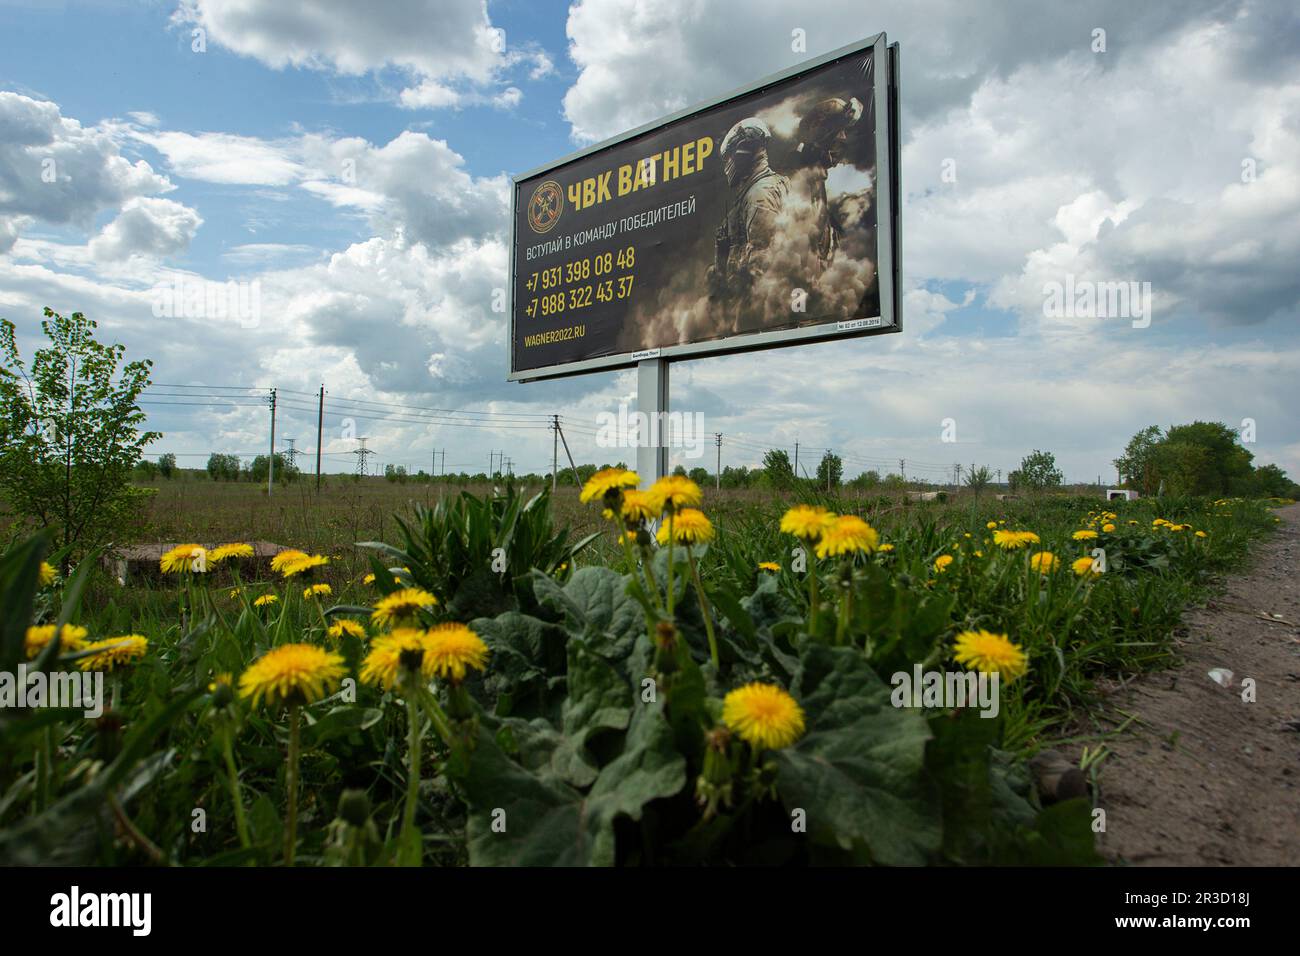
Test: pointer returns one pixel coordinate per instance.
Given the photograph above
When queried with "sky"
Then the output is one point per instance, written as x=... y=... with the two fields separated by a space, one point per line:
x=348 y=167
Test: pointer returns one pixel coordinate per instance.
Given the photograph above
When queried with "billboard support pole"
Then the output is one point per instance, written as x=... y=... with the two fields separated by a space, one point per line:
x=652 y=402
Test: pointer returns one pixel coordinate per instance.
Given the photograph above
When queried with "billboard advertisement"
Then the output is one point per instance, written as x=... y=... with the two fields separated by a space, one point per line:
x=765 y=218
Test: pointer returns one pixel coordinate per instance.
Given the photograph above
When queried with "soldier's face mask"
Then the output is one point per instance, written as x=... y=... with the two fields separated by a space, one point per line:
x=737 y=165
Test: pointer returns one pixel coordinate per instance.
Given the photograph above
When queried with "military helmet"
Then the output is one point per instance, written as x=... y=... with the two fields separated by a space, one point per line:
x=741 y=146
x=828 y=119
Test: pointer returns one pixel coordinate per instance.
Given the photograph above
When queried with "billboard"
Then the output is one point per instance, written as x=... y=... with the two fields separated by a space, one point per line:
x=765 y=218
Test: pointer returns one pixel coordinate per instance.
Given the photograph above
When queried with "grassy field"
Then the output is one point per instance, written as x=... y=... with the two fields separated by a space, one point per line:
x=552 y=725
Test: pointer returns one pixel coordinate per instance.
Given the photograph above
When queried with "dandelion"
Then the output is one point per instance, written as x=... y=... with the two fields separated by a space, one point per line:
x=346 y=626
x=806 y=522
x=608 y=482
x=71 y=638
x=369 y=578
x=1083 y=566
x=114 y=652
x=1201 y=534
x=1011 y=540
x=452 y=649
x=941 y=563
x=1084 y=535
x=317 y=590
x=990 y=653
x=848 y=535
x=221 y=552
x=402 y=605
x=184 y=557
x=286 y=557
x=234 y=593
x=689 y=526
x=991 y=525
x=638 y=507
x=292 y=674
x=46 y=574
x=887 y=547
x=769 y=566
x=674 y=492
x=303 y=564
x=1108 y=527
x=266 y=600
x=389 y=653
x=1043 y=562
x=763 y=715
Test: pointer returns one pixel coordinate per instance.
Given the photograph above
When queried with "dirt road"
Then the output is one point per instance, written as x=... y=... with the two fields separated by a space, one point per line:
x=1203 y=777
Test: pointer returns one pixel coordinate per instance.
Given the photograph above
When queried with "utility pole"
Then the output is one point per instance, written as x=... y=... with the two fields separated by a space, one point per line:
x=555 y=450
x=320 y=430
x=270 y=471
x=796 y=459
x=830 y=466
x=568 y=454
x=444 y=462
x=902 y=469
x=717 y=475
x=956 y=477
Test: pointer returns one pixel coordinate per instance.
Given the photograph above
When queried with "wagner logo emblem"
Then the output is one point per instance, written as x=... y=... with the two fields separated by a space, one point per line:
x=545 y=207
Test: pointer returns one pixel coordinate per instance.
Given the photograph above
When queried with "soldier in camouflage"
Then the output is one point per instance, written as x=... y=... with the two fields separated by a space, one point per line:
x=757 y=196
x=822 y=134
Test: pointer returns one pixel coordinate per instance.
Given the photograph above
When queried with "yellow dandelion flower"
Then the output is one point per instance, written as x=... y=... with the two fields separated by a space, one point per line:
x=1043 y=562
x=285 y=557
x=1011 y=540
x=47 y=574
x=941 y=563
x=221 y=552
x=317 y=590
x=1084 y=535
x=114 y=652
x=389 y=652
x=806 y=522
x=369 y=578
x=345 y=626
x=1108 y=527
x=1201 y=534
x=989 y=652
x=234 y=593
x=452 y=649
x=1083 y=566
x=674 y=492
x=627 y=537
x=769 y=566
x=991 y=525
x=1159 y=522
x=690 y=526
x=292 y=674
x=763 y=715
x=184 y=557
x=848 y=535
x=607 y=480
x=887 y=547
x=71 y=638
x=305 y=563
x=266 y=600
x=638 y=507
x=403 y=604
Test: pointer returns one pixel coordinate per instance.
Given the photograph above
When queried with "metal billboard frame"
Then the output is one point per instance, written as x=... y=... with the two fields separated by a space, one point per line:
x=888 y=272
